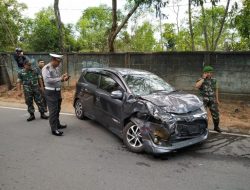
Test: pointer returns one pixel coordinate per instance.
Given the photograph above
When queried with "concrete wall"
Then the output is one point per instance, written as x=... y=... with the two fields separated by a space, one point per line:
x=181 y=69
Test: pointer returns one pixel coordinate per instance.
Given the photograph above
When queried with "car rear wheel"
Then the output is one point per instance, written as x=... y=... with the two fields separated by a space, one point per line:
x=79 y=110
x=132 y=138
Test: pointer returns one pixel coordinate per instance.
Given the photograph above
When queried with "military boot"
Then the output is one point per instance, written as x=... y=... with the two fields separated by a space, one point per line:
x=43 y=116
x=32 y=117
x=216 y=127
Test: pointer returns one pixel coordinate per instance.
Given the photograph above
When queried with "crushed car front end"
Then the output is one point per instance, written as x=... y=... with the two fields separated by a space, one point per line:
x=157 y=138
x=164 y=131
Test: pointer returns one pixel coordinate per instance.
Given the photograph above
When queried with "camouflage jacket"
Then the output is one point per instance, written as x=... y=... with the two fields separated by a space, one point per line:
x=29 y=78
x=208 y=87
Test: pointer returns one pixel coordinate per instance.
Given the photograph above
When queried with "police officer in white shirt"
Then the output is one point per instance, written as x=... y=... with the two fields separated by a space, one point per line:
x=52 y=81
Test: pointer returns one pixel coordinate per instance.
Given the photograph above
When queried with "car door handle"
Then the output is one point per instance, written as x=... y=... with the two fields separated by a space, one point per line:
x=86 y=90
x=98 y=98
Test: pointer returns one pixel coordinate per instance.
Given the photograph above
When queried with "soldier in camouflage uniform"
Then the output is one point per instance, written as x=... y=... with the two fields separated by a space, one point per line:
x=209 y=91
x=29 y=79
x=40 y=65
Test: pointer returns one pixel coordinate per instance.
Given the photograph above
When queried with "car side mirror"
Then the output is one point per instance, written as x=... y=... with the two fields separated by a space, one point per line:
x=117 y=94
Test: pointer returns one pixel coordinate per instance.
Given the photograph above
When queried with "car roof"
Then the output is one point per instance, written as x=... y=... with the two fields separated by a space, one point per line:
x=121 y=71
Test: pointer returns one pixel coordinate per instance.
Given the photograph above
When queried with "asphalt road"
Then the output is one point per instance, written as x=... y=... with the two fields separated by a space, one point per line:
x=90 y=157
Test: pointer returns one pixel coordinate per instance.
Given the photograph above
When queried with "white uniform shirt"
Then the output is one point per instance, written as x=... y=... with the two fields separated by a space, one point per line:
x=52 y=76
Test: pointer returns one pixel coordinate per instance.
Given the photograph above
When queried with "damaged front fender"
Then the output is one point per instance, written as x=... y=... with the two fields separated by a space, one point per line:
x=151 y=131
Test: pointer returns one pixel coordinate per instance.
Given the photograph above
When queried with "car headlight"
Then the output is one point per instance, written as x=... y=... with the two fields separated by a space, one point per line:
x=202 y=113
x=203 y=109
x=158 y=133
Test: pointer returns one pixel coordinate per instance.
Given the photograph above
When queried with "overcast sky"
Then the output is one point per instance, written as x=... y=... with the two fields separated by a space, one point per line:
x=70 y=9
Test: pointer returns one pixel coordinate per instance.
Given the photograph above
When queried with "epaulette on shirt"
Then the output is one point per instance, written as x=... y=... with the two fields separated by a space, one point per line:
x=47 y=67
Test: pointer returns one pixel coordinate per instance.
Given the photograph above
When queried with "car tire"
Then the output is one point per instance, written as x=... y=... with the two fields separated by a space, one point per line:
x=132 y=138
x=79 y=110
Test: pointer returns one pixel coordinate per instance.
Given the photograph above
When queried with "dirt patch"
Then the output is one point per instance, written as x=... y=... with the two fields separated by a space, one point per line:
x=234 y=115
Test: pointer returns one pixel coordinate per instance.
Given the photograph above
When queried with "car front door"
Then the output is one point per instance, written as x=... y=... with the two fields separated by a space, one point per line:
x=109 y=110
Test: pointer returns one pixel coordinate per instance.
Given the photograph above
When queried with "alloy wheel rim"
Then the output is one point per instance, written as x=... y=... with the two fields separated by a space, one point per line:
x=78 y=109
x=134 y=137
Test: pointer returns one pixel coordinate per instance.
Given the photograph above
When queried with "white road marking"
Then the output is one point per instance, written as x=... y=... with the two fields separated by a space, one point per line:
x=63 y=113
x=233 y=134
x=23 y=109
x=11 y=108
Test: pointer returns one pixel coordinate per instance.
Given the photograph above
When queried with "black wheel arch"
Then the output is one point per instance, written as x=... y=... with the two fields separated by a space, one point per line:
x=133 y=118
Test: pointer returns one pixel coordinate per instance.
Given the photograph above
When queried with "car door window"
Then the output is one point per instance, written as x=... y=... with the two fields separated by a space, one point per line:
x=92 y=78
x=108 y=84
x=81 y=79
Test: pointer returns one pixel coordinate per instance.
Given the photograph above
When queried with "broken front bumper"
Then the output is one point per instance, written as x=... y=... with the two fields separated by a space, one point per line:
x=151 y=147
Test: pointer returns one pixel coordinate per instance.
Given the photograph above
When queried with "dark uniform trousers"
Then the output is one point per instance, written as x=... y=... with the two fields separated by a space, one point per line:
x=54 y=100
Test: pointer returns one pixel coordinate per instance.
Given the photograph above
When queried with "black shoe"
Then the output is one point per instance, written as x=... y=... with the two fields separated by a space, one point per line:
x=32 y=117
x=43 y=116
x=57 y=133
x=62 y=126
x=218 y=129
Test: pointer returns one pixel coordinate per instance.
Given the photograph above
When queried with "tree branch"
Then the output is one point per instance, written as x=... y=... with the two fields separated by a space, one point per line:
x=118 y=29
x=222 y=25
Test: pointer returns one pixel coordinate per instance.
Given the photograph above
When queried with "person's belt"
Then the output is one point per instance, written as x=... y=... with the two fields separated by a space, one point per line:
x=54 y=89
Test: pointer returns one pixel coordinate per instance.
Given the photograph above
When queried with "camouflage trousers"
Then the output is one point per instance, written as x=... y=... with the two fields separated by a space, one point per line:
x=30 y=94
x=213 y=107
x=44 y=100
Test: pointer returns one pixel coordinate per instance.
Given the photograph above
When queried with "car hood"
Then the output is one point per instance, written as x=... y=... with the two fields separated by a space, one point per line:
x=174 y=102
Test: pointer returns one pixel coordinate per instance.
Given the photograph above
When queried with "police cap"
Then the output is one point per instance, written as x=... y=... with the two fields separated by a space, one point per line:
x=58 y=57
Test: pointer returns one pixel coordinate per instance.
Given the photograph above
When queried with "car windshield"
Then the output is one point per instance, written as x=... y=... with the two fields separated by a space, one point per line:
x=142 y=85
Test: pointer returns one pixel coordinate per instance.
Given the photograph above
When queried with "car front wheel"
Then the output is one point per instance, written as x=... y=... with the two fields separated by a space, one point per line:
x=79 y=110
x=132 y=138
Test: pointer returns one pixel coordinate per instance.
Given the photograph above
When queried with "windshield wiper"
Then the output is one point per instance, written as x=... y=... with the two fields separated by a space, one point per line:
x=174 y=91
x=155 y=91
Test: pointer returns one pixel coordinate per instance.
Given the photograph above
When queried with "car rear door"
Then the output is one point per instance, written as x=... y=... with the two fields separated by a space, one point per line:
x=88 y=92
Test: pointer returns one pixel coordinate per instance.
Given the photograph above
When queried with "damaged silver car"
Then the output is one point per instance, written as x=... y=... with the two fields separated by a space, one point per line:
x=141 y=108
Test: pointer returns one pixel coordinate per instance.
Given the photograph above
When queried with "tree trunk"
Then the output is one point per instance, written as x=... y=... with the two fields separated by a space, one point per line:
x=213 y=29
x=118 y=29
x=59 y=25
x=114 y=26
x=177 y=14
x=204 y=26
x=190 y=24
x=222 y=25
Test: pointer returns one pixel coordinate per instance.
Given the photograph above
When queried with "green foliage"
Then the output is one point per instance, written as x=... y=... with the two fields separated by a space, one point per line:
x=70 y=41
x=11 y=23
x=143 y=40
x=243 y=22
x=44 y=34
x=94 y=28
x=183 y=41
x=123 y=43
x=41 y=34
x=212 y=20
x=169 y=36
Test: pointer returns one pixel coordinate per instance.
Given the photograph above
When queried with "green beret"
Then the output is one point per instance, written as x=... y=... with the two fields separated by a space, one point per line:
x=208 y=69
